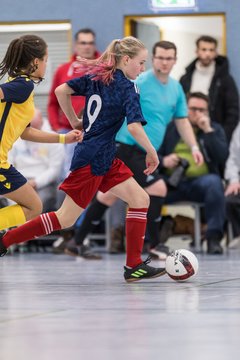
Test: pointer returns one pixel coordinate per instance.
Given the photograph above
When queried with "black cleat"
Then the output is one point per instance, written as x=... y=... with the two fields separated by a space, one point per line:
x=3 y=250
x=142 y=271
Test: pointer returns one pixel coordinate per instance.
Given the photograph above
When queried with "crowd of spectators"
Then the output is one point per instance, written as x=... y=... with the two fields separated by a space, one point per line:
x=212 y=109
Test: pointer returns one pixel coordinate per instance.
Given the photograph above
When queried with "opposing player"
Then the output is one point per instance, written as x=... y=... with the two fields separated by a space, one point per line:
x=25 y=63
x=110 y=97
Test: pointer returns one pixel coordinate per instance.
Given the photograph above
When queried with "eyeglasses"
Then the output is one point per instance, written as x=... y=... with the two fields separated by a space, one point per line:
x=193 y=108
x=160 y=58
x=86 y=43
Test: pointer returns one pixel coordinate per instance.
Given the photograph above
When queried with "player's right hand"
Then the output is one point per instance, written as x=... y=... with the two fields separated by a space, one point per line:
x=74 y=136
x=152 y=162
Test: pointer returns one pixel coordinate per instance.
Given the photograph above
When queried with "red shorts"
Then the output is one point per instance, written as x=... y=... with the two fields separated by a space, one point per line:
x=81 y=185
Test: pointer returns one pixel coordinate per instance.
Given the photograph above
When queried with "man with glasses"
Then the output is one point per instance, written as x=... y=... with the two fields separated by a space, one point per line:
x=199 y=183
x=209 y=73
x=162 y=100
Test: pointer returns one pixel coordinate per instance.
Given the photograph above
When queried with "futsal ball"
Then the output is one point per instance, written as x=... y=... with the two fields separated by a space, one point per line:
x=181 y=265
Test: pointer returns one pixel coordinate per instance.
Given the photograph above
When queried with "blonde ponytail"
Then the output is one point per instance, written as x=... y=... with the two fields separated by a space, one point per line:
x=104 y=67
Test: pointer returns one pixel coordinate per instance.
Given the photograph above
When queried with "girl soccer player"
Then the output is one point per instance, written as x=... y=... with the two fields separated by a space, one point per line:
x=25 y=63
x=110 y=97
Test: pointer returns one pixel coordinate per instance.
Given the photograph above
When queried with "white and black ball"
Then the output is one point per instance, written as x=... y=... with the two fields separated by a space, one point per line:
x=181 y=265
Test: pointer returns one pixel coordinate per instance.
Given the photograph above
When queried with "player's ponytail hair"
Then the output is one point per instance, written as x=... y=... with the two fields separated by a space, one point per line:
x=20 y=54
x=104 y=67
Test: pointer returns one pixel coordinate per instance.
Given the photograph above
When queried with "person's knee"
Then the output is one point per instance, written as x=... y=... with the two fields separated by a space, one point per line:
x=35 y=210
x=140 y=201
x=213 y=181
x=211 y=187
x=159 y=188
x=66 y=219
x=107 y=198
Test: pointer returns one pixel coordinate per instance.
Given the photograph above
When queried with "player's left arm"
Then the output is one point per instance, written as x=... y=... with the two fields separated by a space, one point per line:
x=35 y=135
x=186 y=132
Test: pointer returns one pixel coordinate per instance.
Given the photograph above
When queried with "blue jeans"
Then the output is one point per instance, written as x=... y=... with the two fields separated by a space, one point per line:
x=207 y=189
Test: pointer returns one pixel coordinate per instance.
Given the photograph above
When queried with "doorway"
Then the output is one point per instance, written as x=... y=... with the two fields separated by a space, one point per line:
x=183 y=30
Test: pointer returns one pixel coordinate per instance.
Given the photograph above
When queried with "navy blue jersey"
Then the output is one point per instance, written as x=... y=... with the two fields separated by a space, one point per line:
x=104 y=113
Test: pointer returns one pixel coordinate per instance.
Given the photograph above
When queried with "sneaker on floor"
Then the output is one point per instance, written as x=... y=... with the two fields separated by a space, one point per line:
x=82 y=251
x=3 y=250
x=142 y=271
x=59 y=245
x=214 y=246
x=160 y=252
x=234 y=243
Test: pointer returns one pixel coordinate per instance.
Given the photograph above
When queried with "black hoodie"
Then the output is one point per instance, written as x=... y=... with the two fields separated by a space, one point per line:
x=223 y=95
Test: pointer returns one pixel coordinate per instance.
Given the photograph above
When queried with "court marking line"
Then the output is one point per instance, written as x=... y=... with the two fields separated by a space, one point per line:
x=31 y=316
x=210 y=283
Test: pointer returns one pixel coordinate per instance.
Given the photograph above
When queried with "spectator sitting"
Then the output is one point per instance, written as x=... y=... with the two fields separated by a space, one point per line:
x=209 y=74
x=232 y=191
x=203 y=183
x=40 y=163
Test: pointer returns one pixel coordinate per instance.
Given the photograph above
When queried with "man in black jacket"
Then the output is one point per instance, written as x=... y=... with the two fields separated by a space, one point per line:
x=209 y=73
x=198 y=183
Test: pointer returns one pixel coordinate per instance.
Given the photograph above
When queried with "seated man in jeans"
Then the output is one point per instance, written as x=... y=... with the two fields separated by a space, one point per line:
x=198 y=183
x=232 y=191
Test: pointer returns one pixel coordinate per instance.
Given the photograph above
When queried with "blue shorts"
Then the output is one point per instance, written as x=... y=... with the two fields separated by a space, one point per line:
x=10 y=180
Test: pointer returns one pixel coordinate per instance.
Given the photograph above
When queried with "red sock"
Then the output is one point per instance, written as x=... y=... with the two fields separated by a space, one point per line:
x=136 y=221
x=41 y=225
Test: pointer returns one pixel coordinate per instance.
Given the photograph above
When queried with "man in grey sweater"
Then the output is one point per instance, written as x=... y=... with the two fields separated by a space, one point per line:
x=232 y=192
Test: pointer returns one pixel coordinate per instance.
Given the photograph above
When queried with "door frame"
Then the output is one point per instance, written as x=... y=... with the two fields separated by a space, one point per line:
x=128 y=18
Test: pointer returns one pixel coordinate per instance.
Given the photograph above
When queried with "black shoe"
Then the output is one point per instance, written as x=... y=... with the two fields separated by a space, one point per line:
x=214 y=247
x=3 y=250
x=82 y=251
x=142 y=271
x=160 y=252
x=166 y=228
x=59 y=245
x=117 y=240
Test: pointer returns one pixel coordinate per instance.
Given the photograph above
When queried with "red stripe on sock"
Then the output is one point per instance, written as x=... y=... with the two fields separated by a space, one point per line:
x=44 y=225
x=41 y=225
x=47 y=223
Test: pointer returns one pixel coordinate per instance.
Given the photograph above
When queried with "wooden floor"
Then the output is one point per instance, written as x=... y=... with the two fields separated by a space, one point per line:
x=53 y=307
